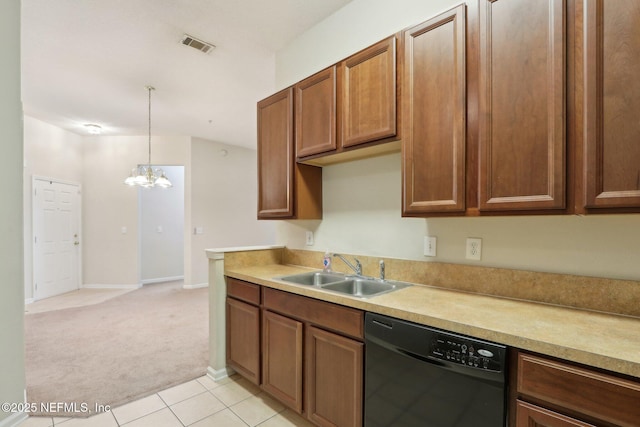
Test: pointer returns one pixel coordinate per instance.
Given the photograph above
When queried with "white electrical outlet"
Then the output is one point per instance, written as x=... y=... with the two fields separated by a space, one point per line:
x=309 y=238
x=430 y=245
x=474 y=249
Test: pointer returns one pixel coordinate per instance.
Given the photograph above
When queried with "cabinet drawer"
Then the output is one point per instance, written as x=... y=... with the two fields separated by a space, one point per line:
x=244 y=291
x=597 y=395
x=341 y=319
x=531 y=415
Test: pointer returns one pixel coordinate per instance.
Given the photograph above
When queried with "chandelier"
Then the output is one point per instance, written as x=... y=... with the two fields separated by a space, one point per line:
x=146 y=175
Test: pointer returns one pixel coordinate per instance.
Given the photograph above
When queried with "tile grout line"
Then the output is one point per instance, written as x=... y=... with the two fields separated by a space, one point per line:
x=176 y=415
x=238 y=416
x=205 y=389
x=140 y=417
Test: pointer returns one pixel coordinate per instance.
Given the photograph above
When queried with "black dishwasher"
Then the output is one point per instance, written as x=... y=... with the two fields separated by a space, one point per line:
x=425 y=377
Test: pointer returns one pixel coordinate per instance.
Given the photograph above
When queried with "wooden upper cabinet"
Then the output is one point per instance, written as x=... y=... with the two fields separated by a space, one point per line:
x=612 y=103
x=433 y=111
x=275 y=155
x=316 y=113
x=348 y=105
x=367 y=82
x=285 y=189
x=522 y=141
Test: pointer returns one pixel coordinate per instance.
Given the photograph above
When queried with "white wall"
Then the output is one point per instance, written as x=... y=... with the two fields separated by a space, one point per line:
x=357 y=25
x=48 y=152
x=362 y=198
x=224 y=202
x=12 y=379
x=161 y=225
x=362 y=216
x=110 y=257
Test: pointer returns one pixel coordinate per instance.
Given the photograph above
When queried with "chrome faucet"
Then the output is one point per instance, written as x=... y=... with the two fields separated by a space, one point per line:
x=382 y=269
x=357 y=268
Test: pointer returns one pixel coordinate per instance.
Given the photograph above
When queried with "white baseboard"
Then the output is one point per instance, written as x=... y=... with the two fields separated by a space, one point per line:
x=14 y=420
x=196 y=286
x=29 y=301
x=161 y=279
x=105 y=286
x=218 y=374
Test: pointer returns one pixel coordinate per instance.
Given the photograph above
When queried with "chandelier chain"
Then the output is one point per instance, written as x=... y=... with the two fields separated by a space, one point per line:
x=150 y=88
x=145 y=176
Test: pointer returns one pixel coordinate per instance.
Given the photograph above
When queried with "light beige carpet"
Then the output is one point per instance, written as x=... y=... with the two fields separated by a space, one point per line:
x=119 y=350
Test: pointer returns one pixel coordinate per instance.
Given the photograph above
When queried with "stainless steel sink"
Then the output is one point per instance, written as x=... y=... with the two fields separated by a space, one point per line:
x=364 y=288
x=313 y=278
x=356 y=286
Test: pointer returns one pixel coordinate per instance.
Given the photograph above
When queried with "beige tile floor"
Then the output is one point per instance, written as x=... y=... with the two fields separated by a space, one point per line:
x=232 y=402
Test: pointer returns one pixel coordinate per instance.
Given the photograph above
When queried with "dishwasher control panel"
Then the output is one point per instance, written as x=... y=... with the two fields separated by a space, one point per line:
x=463 y=351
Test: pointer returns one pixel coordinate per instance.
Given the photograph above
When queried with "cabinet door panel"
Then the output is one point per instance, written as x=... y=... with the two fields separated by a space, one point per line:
x=334 y=379
x=369 y=94
x=528 y=415
x=282 y=359
x=243 y=339
x=612 y=104
x=316 y=113
x=434 y=115
x=522 y=105
x=275 y=156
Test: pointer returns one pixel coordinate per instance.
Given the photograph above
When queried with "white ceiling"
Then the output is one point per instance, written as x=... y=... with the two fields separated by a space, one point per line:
x=89 y=61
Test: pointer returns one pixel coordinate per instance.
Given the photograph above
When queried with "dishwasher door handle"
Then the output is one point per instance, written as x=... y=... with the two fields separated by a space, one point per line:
x=381 y=323
x=421 y=358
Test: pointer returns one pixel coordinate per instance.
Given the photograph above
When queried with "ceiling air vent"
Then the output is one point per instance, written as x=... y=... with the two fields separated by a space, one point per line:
x=193 y=42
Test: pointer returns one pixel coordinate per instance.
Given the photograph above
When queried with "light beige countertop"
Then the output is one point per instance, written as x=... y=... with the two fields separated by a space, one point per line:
x=606 y=341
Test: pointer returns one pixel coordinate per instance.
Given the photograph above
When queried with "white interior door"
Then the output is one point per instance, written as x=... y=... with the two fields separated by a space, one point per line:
x=56 y=237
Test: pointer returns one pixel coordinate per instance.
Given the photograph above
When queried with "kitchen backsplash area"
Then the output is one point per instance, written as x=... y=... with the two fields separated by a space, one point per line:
x=588 y=293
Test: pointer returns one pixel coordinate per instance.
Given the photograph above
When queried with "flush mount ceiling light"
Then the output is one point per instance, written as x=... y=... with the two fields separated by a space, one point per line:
x=93 y=129
x=145 y=175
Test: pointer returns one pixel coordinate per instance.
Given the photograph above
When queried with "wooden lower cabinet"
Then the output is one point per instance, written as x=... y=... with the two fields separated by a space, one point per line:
x=305 y=352
x=528 y=415
x=243 y=339
x=334 y=378
x=313 y=357
x=556 y=393
x=282 y=358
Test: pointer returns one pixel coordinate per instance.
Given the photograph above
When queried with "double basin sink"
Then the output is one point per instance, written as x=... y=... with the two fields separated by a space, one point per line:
x=355 y=286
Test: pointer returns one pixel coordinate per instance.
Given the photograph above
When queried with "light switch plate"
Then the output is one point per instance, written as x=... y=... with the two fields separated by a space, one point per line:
x=430 y=243
x=309 y=241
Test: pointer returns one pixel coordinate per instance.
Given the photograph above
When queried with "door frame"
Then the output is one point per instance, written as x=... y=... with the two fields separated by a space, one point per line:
x=35 y=178
x=185 y=233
